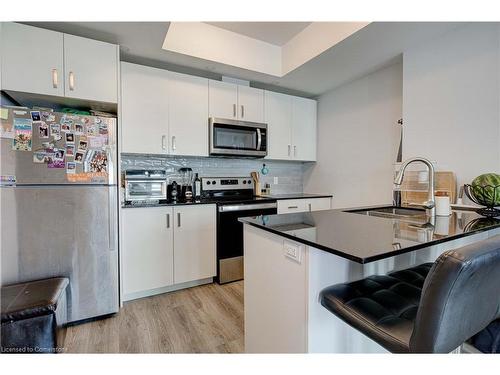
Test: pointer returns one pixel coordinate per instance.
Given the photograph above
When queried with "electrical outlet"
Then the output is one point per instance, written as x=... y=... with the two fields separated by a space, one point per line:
x=275 y=180
x=293 y=251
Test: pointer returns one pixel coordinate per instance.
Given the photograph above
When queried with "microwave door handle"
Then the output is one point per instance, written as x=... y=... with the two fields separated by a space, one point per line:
x=259 y=139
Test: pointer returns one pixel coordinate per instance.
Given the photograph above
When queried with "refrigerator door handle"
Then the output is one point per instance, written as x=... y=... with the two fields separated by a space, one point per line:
x=112 y=219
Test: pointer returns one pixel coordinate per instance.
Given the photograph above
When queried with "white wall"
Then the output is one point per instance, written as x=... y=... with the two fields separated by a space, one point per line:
x=358 y=138
x=451 y=101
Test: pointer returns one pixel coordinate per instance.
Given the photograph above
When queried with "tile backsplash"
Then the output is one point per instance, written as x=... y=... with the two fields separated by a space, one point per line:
x=290 y=174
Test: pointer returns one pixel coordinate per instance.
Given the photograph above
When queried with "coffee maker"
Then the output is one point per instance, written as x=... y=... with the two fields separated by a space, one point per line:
x=186 y=177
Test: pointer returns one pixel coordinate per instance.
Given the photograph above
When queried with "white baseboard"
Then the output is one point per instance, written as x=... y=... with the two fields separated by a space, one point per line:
x=171 y=288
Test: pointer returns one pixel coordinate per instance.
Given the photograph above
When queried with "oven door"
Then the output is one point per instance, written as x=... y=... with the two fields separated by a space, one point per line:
x=145 y=190
x=230 y=237
x=230 y=137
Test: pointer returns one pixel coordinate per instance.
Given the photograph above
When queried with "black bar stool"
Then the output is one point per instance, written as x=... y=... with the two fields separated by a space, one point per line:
x=432 y=308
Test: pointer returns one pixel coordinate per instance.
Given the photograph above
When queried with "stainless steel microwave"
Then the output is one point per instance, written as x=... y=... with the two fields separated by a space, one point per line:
x=237 y=138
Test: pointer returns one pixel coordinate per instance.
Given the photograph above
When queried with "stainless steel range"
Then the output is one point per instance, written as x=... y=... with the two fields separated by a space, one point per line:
x=235 y=199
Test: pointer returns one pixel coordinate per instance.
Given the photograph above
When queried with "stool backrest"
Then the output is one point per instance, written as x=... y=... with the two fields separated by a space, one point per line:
x=460 y=297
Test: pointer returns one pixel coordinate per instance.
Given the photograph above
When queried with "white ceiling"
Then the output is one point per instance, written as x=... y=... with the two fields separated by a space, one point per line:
x=277 y=33
x=376 y=45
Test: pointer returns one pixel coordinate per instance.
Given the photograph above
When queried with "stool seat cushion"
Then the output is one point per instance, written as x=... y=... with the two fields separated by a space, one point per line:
x=30 y=299
x=382 y=307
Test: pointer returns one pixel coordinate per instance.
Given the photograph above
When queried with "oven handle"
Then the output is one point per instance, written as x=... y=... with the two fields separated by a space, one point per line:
x=247 y=207
x=259 y=139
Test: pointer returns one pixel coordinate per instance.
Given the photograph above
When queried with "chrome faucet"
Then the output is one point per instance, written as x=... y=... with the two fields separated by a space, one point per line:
x=429 y=205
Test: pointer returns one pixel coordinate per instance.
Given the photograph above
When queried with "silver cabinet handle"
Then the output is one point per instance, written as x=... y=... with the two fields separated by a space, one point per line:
x=289 y=146
x=294 y=150
x=163 y=142
x=55 y=78
x=168 y=221
x=310 y=209
x=234 y=110
x=174 y=146
x=242 y=111
x=293 y=206
x=71 y=81
x=178 y=219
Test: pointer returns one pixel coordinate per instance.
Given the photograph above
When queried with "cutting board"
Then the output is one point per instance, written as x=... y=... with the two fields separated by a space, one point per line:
x=413 y=191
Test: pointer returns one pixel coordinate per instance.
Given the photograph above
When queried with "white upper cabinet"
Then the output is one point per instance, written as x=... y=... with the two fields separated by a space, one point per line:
x=278 y=116
x=292 y=127
x=91 y=69
x=40 y=61
x=231 y=101
x=144 y=109
x=32 y=60
x=188 y=115
x=163 y=112
x=304 y=129
x=250 y=104
x=223 y=99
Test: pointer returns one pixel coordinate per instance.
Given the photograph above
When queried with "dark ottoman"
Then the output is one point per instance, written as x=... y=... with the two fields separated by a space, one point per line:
x=33 y=314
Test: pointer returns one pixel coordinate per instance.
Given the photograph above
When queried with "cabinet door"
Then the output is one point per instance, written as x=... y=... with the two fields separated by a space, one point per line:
x=188 y=115
x=32 y=60
x=223 y=99
x=278 y=116
x=91 y=69
x=250 y=104
x=304 y=129
x=319 y=204
x=194 y=243
x=144 y=109
x=147 y=249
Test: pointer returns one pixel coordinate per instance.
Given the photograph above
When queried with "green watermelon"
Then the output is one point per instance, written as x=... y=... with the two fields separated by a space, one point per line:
x=486 y=189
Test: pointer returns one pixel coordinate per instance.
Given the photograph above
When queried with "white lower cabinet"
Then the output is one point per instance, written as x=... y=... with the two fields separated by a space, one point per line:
x=147 y=249
x=318 y=204
x=194 y=243
x=288 y=206
x=166 y=246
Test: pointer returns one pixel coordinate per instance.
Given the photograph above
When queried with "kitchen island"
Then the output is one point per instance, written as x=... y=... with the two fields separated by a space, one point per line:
x=290 y=258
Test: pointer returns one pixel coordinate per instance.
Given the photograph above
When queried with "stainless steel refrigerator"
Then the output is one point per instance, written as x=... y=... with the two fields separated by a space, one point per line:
x=59 y=205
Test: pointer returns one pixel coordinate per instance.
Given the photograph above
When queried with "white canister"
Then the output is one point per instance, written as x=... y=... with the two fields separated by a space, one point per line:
x=442 y=225
x=443 y=207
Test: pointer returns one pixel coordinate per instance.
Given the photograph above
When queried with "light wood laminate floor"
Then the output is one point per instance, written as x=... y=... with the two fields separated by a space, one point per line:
x=203 y=319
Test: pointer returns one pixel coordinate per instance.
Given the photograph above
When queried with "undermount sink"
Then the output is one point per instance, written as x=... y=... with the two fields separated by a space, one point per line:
x=392 y=212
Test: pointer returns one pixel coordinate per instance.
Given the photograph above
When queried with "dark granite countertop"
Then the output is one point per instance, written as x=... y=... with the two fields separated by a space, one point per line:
x=299 y=196
x=169 y=203
x=363 y=238
x=214 y=201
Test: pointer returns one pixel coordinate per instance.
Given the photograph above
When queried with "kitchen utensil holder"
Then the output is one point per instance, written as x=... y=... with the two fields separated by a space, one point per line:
x=489 y=210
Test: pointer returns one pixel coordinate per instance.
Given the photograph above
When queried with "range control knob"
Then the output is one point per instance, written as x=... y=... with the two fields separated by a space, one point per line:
x=214 y=182
x=244 y=181
x=208 y=182
x=249 y=181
